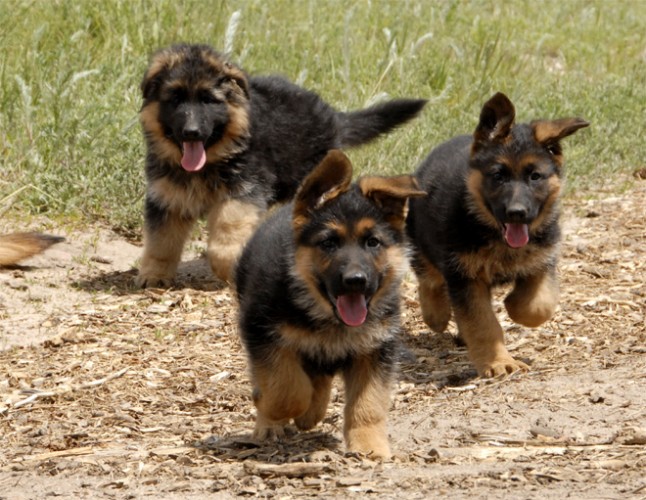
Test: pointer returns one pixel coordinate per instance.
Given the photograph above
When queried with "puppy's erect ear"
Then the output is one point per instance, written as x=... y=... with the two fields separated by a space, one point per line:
x=496 y=118
x=328 y=180
x=391 y=194
x=550 y=132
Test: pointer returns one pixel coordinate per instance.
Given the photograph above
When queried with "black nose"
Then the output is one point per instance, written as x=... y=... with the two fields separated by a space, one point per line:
x=516 y=213
x=355 y=281
x=191 y=132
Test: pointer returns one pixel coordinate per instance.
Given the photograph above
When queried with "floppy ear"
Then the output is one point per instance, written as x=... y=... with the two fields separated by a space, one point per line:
x=496 y=118
x=328 y=180
x=550 y=132
x=238 y=78
x=155 y=73
x=391 y=194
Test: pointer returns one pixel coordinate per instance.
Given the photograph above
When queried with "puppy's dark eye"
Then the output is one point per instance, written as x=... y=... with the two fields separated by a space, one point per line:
x=535 y=176
x=373 y=242
x=177 y=97
x=497 y=176
x=329 y=244
x=207 y=97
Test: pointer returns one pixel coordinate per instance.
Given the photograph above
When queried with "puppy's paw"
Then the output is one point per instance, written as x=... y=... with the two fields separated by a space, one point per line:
x=500 y=366
x=153 y=280
x=371 y=440
x=269 y=430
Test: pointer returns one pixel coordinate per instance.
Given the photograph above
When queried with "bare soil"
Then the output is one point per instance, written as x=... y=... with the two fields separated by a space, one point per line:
x=107 y=391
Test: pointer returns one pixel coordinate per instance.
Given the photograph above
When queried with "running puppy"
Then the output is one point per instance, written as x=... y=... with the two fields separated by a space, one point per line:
x=318 y=286
x=19 y=246
x=224 y=145
x=490 y=217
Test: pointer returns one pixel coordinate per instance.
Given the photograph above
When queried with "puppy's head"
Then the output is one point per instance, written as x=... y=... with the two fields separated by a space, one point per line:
x=515 y=175
x=195 y=106
x=349 y=240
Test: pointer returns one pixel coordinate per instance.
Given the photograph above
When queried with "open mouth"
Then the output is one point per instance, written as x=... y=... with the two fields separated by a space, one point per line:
x=193 y=155
x=352 y=308
x=516 y=235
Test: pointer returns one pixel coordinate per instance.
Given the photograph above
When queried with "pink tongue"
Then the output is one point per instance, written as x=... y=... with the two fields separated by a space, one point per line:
x=516 y=235
x=194 y=156
x=352 y=308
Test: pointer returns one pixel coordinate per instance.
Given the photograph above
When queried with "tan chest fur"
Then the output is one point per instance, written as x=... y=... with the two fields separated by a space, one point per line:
x=497 y=262
x=193 y=200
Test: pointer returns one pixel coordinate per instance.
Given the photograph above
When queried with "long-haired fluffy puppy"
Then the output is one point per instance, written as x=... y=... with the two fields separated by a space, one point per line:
x=225 y=146
x=319 y=292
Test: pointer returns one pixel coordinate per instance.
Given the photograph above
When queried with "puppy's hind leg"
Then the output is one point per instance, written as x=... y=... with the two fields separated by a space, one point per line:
x=230 y=225
x=433 y=298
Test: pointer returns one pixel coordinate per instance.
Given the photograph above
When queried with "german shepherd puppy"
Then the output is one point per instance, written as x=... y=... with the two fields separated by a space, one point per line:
x=490 y=217
x=19 y=246
x=225 y=145
x=318 y=286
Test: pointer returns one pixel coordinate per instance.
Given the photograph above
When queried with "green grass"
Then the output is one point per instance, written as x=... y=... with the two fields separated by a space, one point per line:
x=70 y=143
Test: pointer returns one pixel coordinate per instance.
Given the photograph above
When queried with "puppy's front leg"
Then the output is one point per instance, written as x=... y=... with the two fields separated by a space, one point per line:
x=367 y=390
x=480 y=329
x=534 y=298
x=282 y=391
x=165 y=233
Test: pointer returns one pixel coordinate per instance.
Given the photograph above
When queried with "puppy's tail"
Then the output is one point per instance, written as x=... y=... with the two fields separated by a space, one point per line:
x=362 y=126
x=18 y=246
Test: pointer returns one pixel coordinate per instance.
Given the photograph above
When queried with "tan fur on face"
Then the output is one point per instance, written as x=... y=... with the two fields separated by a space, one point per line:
x=230 y=225
x=477 y=205
x=306 y=262
x=166 y=150
x=367 y=395
x=232 y=90
x=550 y=210
x=237 y=128
x=163 y=148
x=391 y=264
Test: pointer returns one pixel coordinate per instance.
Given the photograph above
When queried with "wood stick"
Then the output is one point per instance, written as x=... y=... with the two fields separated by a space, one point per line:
x=287 y=470
x=87 y=385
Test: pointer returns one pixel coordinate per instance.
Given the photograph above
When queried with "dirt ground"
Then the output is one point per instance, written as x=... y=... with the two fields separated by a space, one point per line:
x=111 y=392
